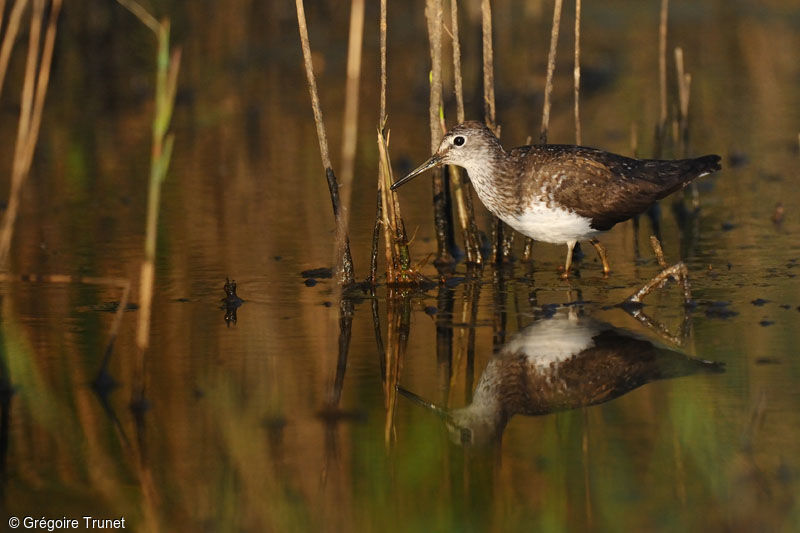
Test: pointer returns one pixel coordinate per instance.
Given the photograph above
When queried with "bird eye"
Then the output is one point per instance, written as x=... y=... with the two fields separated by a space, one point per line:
x=459 y=140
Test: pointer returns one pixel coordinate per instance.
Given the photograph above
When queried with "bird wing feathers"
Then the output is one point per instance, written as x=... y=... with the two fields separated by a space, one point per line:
x=605 y=187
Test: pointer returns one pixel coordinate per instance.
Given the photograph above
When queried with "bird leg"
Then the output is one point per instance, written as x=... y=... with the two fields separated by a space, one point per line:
x=570 y=247
x=601 y=253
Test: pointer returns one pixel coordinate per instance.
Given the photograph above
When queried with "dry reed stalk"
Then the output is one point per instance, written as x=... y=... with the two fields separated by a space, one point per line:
x=684 y=80
x=461 y=191
x=34 y=90
x=577 y=72
x=376 y=237
x=662 y=75
x=684 y=88
x=344 y=258
x=398 y=257
x=379 y=210
x=10 y=36
x=658 y=250
x=551 y=67
x=441 y=214
x=382 y=29
x=502 y=237
x=489 y=112
x=350 y=122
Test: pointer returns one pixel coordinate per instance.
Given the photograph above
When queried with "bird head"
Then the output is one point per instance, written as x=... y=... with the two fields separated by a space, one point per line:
x=465 y=144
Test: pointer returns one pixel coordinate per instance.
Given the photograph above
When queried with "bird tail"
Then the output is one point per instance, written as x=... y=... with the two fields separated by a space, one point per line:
x=681 y=172
x=703 y=165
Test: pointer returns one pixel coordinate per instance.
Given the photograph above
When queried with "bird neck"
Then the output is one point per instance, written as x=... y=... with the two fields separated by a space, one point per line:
x=493 y=180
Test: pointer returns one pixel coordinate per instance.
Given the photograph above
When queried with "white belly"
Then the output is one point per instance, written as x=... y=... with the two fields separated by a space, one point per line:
x=554 y=225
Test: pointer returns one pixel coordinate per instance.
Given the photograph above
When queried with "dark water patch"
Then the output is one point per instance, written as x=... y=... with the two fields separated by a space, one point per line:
x=737 y=159
x=767 y=361
x=720 y=309
x=310 y=282
x=759 y=302
x=765 y=323
x=111 y=307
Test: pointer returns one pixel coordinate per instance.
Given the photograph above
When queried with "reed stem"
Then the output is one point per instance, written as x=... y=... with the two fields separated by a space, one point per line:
x=551 y=67
x=661 y=129
x=461 y=190
x=577 y=72
x=441 y=207
x=345 y=267
x=34 y=91
x=350 y=122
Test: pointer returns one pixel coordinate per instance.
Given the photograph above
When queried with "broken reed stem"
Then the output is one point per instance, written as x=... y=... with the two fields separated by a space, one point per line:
x=345 y=260
x=678 y=272
x=577 y=71
x=551 y=67
x=461 y=191
x=658 y=250
x=398 y=257
x=441 y=215
x=34 y=91
x=350 y=122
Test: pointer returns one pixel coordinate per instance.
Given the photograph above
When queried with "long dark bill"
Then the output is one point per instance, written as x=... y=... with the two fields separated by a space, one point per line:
x=443 y=414
x=434 y=161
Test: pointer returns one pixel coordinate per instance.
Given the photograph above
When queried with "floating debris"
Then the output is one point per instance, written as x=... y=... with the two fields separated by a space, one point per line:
x=310 y=282
x=765 y=323
x=231 y=302
x=759 y=302
x=727 y=225
x=317 y=273
x=431 y=310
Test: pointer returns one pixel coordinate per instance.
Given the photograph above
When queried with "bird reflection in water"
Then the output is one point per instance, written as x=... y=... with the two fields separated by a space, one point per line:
x=565 y=362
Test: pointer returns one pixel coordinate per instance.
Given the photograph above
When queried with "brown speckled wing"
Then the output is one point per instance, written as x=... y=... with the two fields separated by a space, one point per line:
x=605 y=187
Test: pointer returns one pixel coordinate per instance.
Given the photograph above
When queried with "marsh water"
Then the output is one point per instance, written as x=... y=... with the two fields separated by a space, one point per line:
x=288 y=418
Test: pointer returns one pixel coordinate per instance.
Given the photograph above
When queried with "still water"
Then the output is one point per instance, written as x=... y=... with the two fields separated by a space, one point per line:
x=503 y=399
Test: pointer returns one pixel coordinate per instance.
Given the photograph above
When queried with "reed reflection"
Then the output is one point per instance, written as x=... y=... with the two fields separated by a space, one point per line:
x=561 y=363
